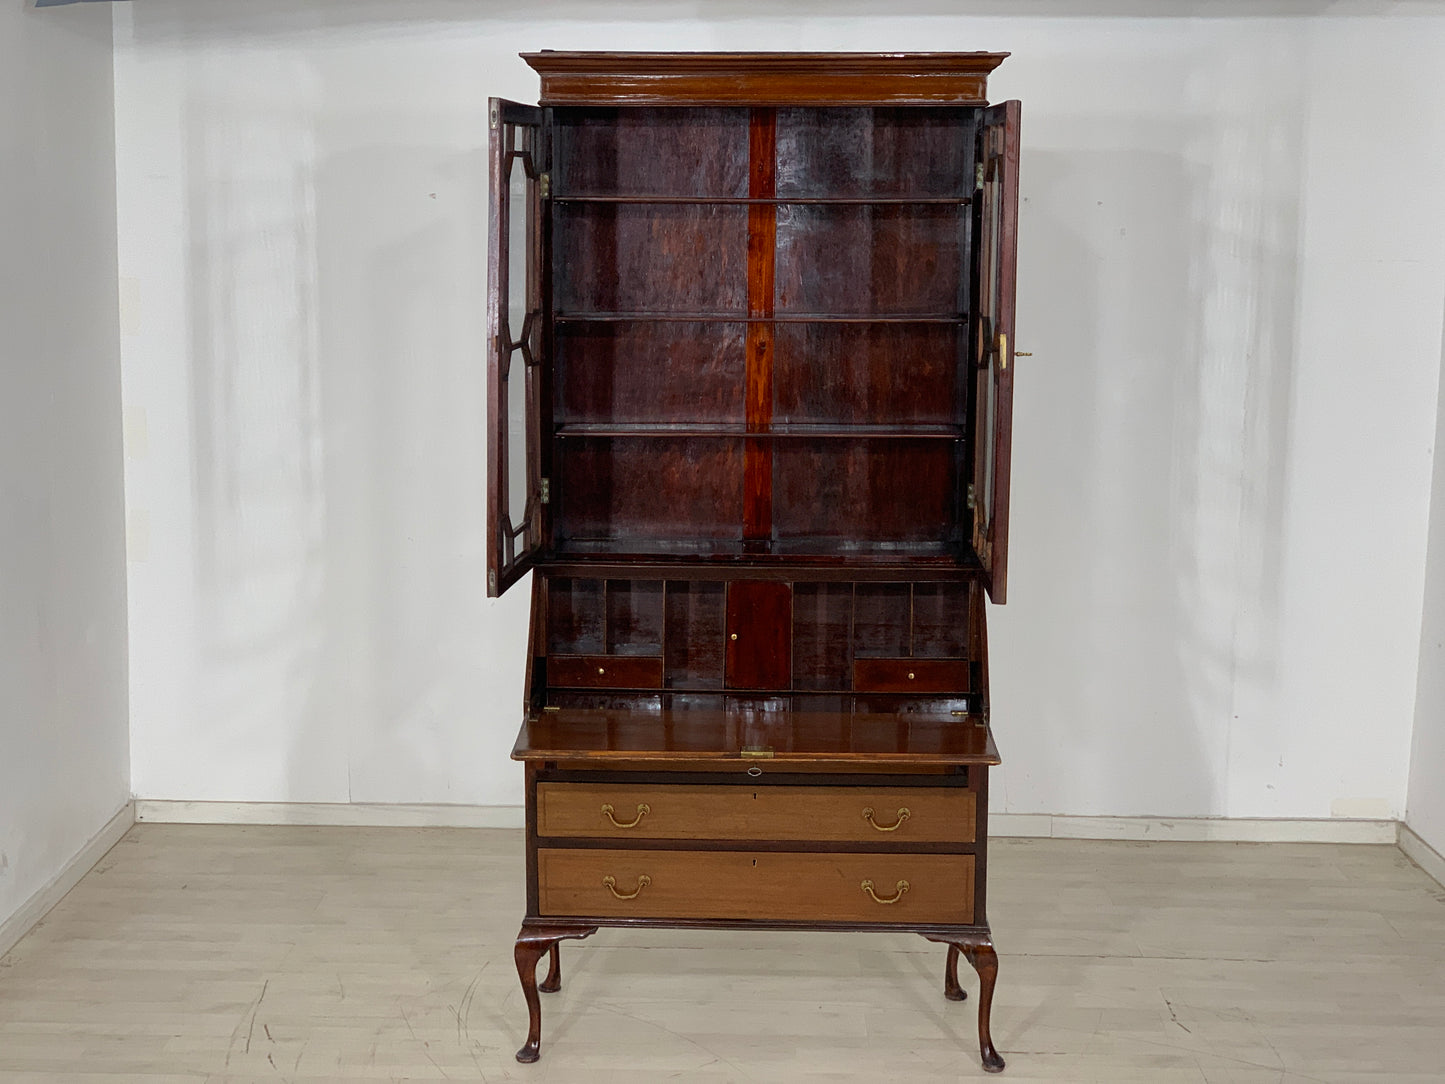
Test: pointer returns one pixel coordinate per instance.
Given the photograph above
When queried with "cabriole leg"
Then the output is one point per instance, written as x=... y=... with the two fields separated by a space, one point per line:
x=976 y=946
x=985 y=962
x=553 y=982
x=951 y=989
x=532 y=942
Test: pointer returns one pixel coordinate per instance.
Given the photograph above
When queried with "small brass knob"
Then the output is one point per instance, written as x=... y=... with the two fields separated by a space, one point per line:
x=734 y=636
x=602 y=671
x=910 y=675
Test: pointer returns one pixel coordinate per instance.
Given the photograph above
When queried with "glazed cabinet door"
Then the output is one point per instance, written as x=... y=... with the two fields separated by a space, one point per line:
x=993 y=347
x=516 y=490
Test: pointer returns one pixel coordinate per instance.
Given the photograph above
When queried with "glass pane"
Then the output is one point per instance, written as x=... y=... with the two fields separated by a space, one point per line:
x=517 y=241
x=518 y=272
x=517 y=488
x=988 y=407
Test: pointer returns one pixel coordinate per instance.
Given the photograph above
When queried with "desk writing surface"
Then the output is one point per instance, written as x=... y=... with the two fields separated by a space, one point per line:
x=700 y=734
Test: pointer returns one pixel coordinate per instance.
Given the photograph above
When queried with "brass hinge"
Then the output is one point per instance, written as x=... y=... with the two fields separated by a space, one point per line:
x=757 y=752
x=544 y=182
x=546 y=497
x=972 y=497
x=978 y=171
x=492 y=581
x=494 y=118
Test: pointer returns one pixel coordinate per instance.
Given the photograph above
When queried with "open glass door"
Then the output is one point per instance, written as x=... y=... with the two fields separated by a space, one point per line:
x=515 y=491
x=998 y=157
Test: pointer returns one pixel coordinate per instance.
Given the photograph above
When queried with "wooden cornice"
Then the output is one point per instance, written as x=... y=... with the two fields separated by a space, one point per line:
x=588 y=78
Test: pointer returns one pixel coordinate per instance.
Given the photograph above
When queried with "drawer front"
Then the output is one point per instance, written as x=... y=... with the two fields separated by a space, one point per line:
x=604 y=671
x=883 y=888
x=910 y=675
x=880 y=815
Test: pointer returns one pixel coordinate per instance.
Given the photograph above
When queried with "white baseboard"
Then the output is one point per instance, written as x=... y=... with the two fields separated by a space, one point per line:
x=1192 y=829
x=34 y=909
x=1422 y=854
x=343 y=814
x=1024 y=825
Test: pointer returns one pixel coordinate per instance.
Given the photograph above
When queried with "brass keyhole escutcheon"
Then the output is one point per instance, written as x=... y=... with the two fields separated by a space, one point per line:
x=901 y=888
x=610 y=883
x=903 y=815
x=642 y=810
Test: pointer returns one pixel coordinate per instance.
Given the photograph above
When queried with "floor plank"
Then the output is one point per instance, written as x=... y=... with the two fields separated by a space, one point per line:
x=225 y=953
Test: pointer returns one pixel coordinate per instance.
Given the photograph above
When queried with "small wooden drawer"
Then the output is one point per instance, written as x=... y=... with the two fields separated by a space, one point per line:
x=910 y=675
x=762 y=885
x=604 y=671
x=881 y=815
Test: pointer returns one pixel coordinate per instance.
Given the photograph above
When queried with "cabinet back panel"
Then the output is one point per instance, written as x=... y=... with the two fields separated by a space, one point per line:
x=808 y=639
x=575 y=616
x=885 y=259
x=870 y=374
x=881 y=490
x=649 y=372
x=634 y=617
x=694 y=647
x=656 y=257
x=648 y=488
x=881 y=620
x=822 y=635
x=639 y=151
x=940 y=620
x=884 y=152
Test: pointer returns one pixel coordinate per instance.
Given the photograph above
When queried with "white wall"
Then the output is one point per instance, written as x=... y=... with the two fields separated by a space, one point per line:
x=1233 y=255
x=64 y=750
x=1425 y=808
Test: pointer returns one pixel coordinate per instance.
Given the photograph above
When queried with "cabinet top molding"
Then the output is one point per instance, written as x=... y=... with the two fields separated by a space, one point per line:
x=588 y=78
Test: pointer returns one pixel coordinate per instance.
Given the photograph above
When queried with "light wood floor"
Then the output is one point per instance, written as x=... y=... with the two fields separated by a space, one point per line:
x=229 y=953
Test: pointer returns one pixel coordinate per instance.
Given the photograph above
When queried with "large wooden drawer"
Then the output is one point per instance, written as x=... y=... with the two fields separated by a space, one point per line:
x=760 y=885
x=882 y=815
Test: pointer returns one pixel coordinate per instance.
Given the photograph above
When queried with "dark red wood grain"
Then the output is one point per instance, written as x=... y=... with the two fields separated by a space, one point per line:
x=762 y=244
x=911 y=676
x=604 y=672
x=759 y=630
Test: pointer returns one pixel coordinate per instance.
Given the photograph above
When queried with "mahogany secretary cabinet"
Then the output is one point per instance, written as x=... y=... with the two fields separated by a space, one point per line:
x=751 y=384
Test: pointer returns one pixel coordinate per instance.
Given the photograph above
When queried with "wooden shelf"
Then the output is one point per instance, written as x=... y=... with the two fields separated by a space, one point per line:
x=777 y=318
x=712 y=429
x=826 y=552
x=773 y=201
